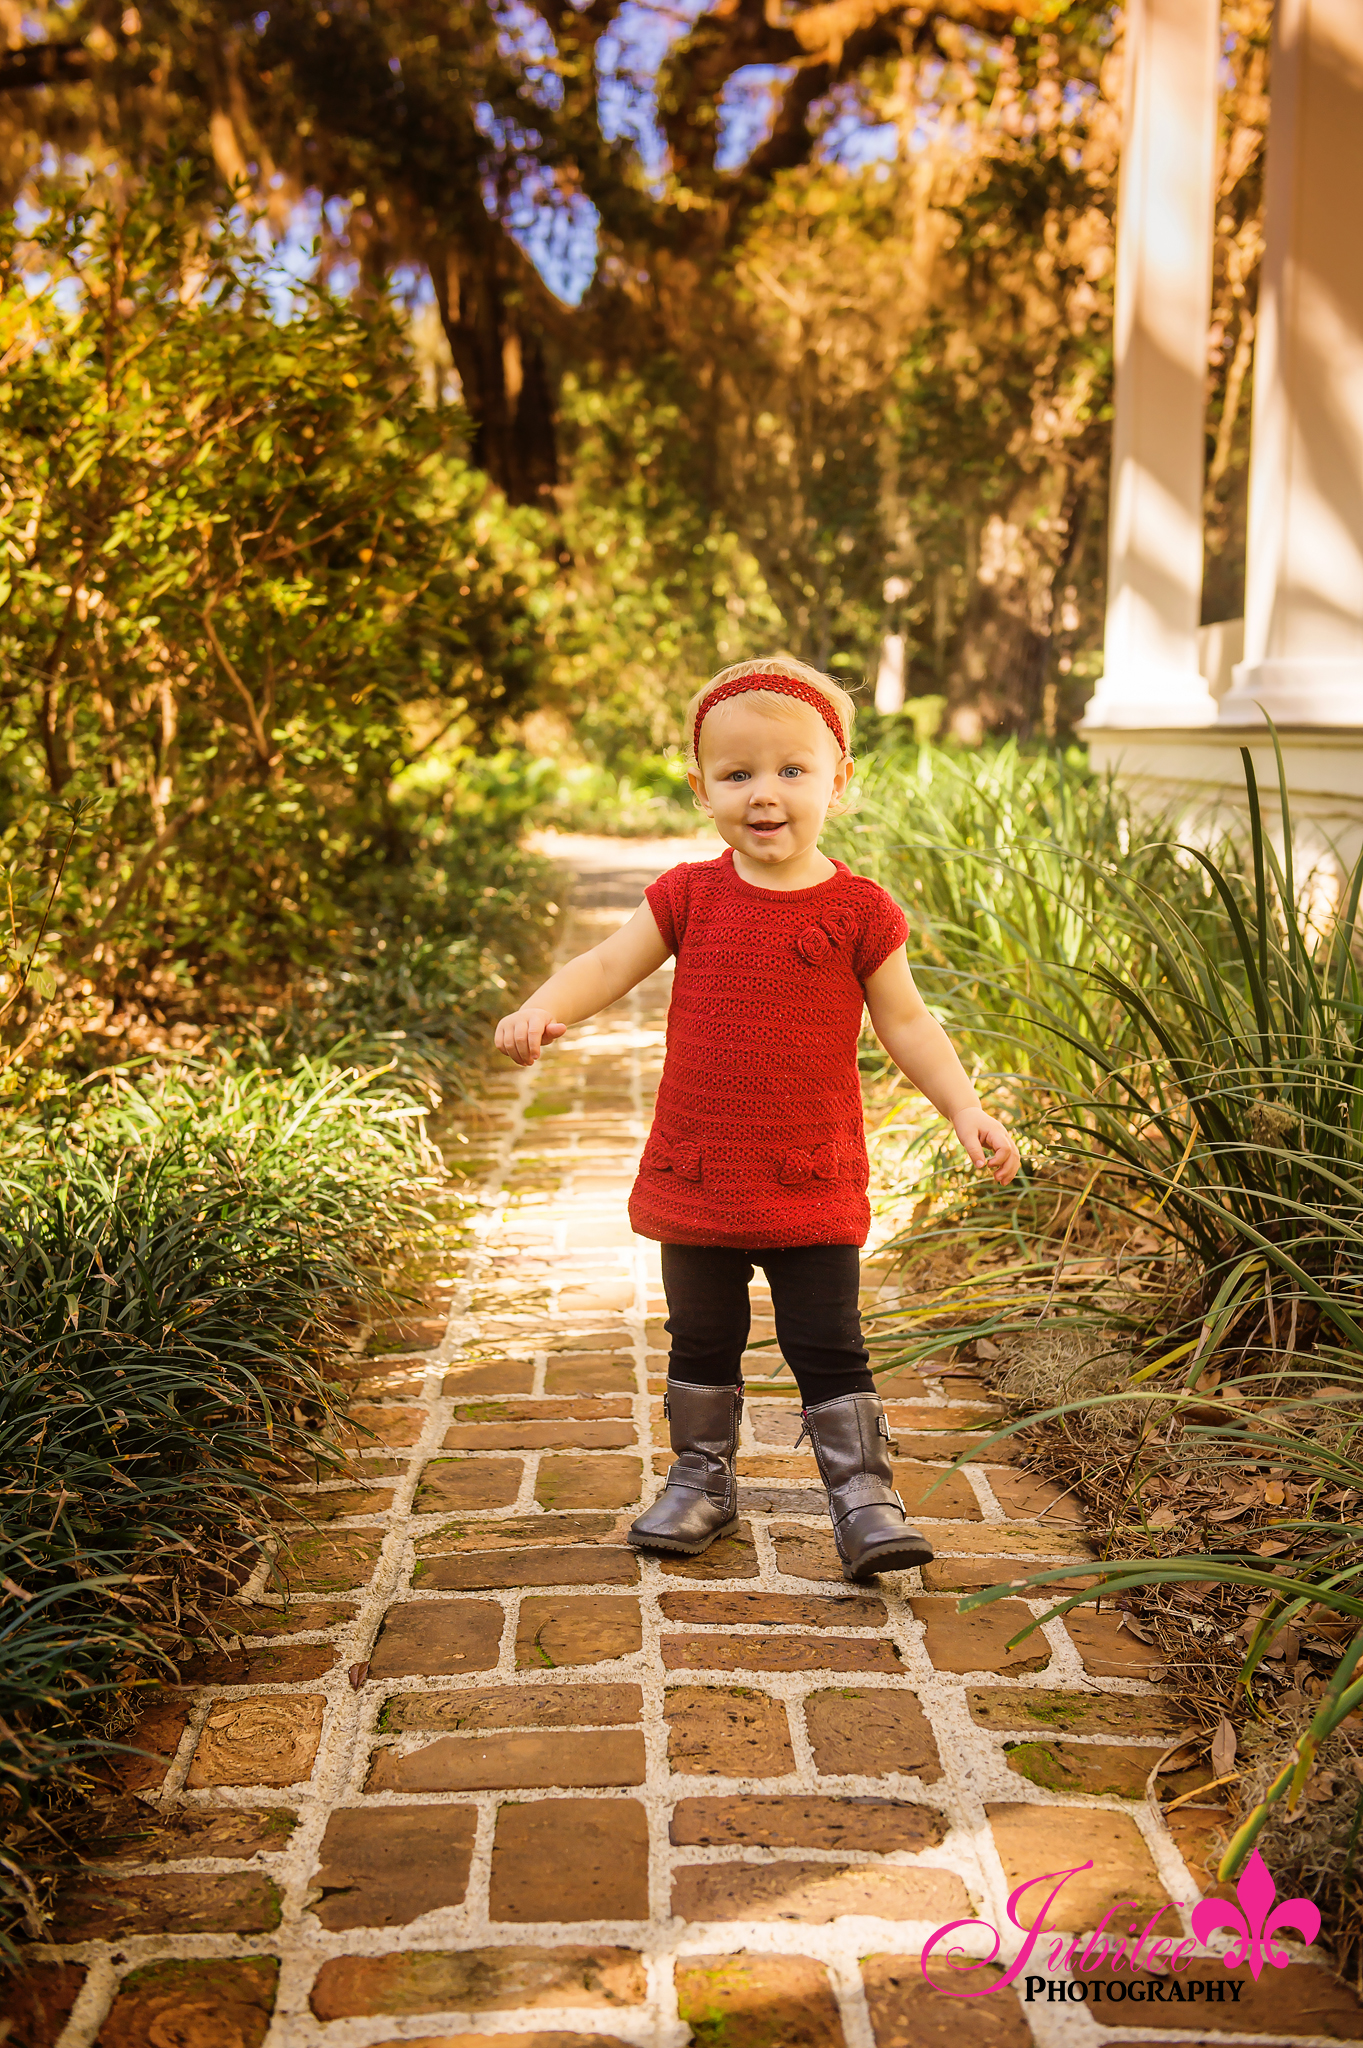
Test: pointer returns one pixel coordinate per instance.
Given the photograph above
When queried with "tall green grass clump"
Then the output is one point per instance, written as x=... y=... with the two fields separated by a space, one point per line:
x=178 y=1252
x=1005 y=860
x=1187 y=1026
x=1186 y=1030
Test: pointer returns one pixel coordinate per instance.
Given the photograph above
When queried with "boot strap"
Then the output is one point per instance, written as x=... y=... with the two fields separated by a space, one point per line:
x=698 y=1482
x=863 y=1490
x=667 y=1406
x=681 y=1475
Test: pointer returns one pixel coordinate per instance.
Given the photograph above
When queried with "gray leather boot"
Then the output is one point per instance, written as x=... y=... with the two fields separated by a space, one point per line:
x=700 y=1501
x=851 y=1440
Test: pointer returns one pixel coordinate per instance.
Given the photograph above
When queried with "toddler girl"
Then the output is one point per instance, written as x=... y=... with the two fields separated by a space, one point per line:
x=757 y=1156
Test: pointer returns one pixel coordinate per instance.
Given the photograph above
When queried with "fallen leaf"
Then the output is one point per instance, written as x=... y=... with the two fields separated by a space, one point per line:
x=1227 y=1514
x=358 y=1675
x=1163 y=1518
x=1223 y=1749
x=1272 y=1549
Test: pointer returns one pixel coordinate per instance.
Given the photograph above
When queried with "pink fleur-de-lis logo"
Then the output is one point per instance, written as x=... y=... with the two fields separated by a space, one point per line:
x=1256 y=1919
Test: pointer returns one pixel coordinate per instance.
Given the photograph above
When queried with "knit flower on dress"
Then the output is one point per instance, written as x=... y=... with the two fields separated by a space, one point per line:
x=814 y=944
x=841 y=924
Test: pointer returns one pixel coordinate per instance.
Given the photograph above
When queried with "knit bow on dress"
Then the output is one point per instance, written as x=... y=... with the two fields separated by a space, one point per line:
x=680 y=1157
x=821 y=1164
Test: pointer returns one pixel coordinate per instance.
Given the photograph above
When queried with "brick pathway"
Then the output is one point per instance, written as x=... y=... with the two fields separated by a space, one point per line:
x=489 y=1776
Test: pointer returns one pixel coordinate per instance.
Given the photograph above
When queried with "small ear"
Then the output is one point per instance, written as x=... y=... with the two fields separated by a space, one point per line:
x=697 y=782
x=842 y=782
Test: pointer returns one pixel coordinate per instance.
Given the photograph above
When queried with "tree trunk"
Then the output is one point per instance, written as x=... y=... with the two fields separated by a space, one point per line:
x=499 y=353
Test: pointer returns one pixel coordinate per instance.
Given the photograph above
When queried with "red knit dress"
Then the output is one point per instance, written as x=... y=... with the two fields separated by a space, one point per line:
x=758 y=1139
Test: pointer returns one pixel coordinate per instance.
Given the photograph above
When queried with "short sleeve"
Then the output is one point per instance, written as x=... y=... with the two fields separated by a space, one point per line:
x=884 y=928
x=666 y=898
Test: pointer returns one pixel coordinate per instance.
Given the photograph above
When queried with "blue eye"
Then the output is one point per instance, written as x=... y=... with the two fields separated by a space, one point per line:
x=792 y=771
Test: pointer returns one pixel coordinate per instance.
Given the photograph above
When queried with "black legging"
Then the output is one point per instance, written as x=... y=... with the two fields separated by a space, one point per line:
x=814 y=1299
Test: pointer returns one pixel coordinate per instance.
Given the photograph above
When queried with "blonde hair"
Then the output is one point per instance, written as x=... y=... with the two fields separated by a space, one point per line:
x=775 y=665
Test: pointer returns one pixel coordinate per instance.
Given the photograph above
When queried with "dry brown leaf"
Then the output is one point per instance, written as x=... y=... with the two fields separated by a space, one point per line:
x=1223 y=1749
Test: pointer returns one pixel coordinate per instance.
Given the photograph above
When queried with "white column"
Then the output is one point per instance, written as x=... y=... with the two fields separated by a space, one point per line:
x=1165 y=218
x=1303 y=660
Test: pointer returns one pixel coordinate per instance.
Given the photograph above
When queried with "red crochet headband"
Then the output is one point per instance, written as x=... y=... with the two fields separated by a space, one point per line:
x=780 y=686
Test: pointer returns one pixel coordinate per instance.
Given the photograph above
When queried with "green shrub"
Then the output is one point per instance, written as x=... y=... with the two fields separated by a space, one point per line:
x=437 y=950
x=247 y=580
x=177 y=1253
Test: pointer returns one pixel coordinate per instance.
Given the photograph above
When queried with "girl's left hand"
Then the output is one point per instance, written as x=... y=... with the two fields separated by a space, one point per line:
x=988 y=1143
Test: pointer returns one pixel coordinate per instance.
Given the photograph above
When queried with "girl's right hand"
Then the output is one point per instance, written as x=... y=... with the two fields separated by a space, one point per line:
x=521 y=1035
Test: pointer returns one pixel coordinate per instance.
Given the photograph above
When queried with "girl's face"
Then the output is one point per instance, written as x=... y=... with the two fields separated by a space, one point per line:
x=769 y=769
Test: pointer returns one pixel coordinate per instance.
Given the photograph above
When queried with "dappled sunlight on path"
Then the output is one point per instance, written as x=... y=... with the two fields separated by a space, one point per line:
x=486 y=1774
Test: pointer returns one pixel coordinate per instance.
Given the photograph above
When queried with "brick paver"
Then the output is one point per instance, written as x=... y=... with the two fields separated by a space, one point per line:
x=484 y=1774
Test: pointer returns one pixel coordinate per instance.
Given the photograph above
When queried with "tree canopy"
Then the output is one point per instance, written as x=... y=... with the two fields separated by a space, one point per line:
x=794 y=322
x=440 y=127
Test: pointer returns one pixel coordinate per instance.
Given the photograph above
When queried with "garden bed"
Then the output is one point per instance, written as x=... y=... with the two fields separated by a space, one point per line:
x=1171 y=1301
